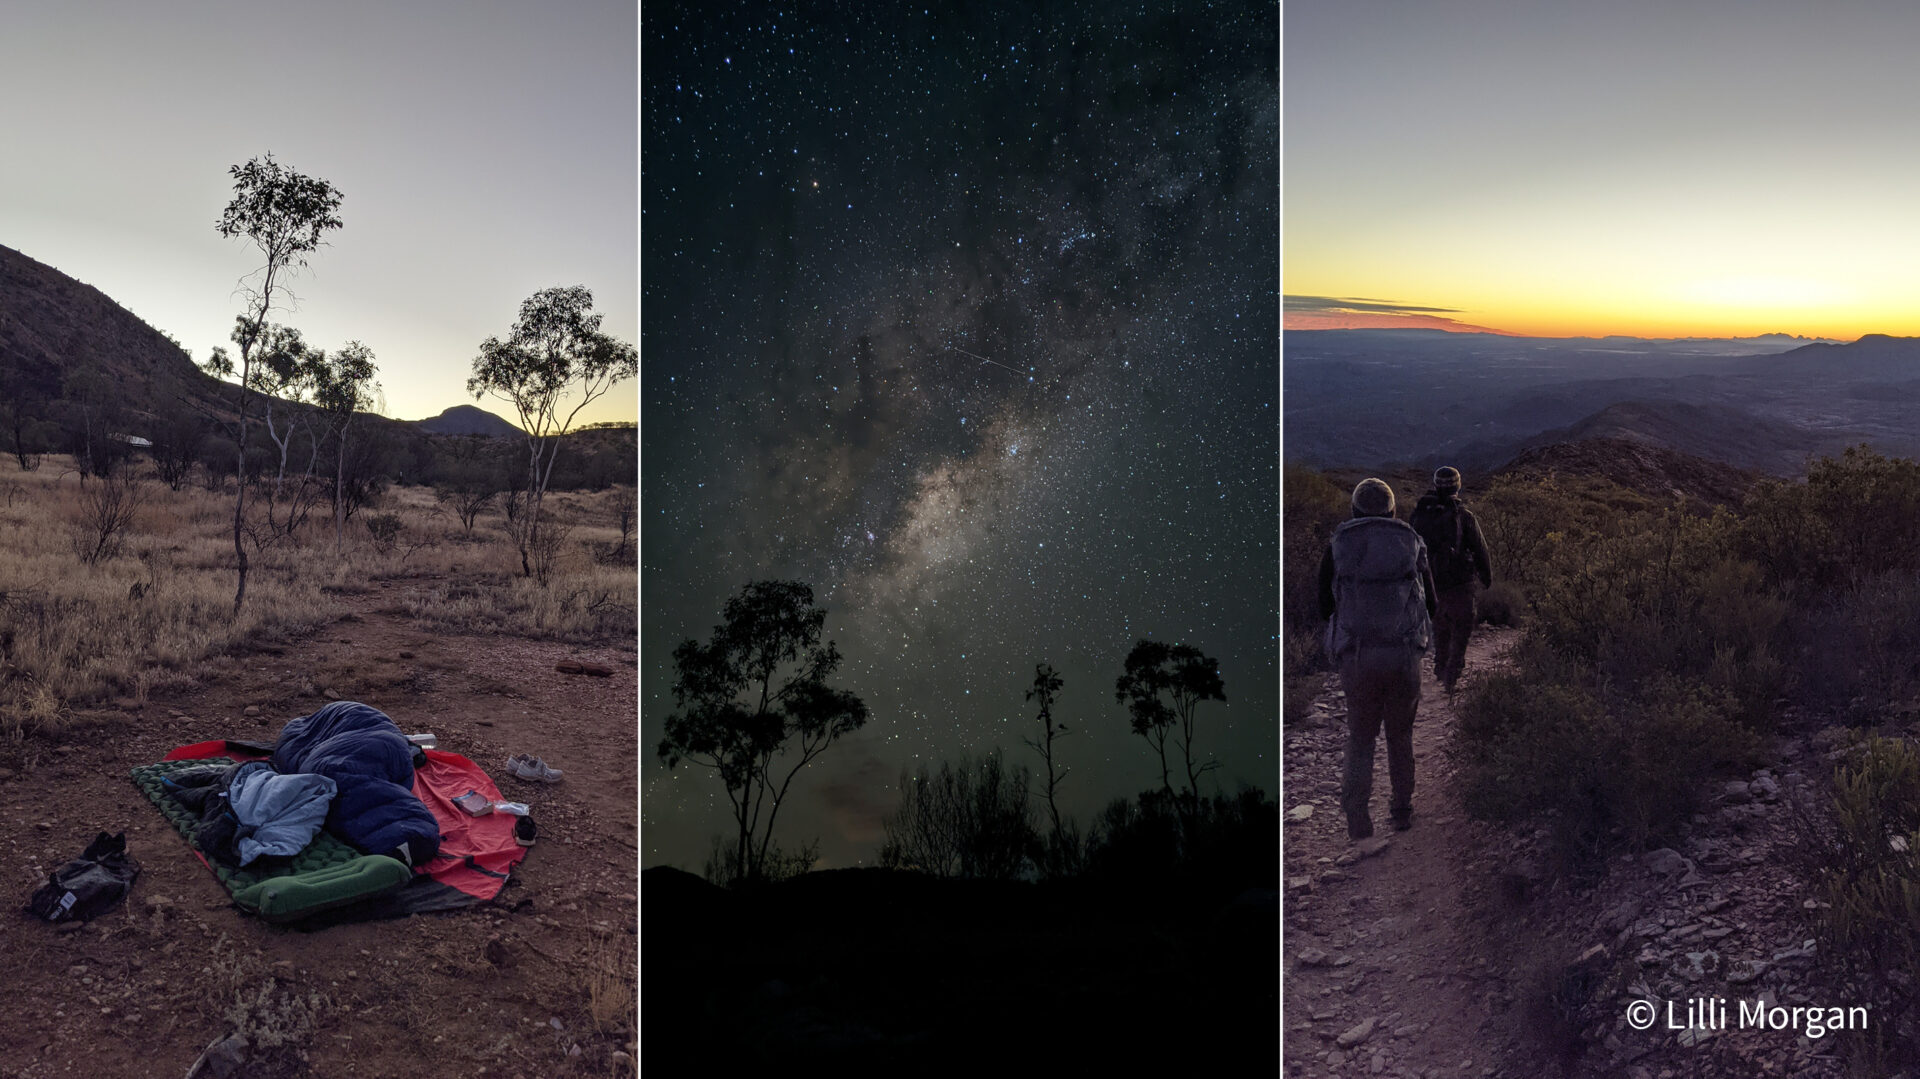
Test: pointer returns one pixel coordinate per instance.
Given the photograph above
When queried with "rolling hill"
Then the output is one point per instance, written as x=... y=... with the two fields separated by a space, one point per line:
x=468 y=420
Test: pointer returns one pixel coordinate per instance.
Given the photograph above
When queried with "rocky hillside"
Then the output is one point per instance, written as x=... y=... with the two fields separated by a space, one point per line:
x=1724 y=915
x=54 y=328
x=52 y=325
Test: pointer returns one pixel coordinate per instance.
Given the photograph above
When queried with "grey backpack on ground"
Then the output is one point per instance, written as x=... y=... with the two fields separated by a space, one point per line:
x=1378 y=598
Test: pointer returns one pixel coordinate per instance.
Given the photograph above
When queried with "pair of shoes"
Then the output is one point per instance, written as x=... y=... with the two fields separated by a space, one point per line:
x=521 y=766
x=524 y=831
x=1402 y=819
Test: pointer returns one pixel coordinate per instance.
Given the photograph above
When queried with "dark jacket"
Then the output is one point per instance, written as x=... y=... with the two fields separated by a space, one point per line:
x=1431 y=514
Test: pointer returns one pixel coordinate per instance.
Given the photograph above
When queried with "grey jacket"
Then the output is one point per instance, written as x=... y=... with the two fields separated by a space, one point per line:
x=278 y=814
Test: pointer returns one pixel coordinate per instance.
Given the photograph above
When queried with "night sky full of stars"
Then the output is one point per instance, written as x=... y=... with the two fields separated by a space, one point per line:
x=968 y=317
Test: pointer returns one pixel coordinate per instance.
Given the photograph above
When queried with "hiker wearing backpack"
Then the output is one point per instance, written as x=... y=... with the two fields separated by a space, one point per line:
x=1458 y=554
x=1376 y=591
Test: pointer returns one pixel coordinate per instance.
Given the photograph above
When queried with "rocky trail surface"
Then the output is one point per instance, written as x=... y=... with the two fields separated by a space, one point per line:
x=1394 y=959
x=1455 y=951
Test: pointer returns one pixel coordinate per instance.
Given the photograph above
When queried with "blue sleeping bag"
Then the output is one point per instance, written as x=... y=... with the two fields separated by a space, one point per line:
x=371 y=763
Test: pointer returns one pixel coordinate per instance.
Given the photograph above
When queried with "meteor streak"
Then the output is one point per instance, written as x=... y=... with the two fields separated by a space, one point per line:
x=981 y=358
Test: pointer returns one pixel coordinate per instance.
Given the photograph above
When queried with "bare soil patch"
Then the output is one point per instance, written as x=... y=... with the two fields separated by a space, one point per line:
x=539 y=982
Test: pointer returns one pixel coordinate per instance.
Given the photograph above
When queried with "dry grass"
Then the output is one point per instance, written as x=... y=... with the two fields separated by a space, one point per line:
x=159 y=610
x=612 y=986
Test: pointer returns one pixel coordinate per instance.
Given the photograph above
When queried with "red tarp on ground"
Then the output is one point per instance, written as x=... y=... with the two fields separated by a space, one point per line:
x=476 y=853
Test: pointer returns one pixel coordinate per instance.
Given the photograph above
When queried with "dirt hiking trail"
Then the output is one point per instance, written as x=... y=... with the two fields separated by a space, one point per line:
x=1396 y=961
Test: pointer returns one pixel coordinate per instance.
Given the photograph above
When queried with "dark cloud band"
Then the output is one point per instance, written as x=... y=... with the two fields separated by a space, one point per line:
x=1296 y=305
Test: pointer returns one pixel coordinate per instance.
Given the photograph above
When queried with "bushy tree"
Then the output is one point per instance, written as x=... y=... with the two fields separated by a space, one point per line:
x=283 y=376
x=1163 y=688
x=93 y=412
x=554 y=352
x=468 y=474
x=177 y=440
x=754 y=700
x=343 y=387
x=23 y=408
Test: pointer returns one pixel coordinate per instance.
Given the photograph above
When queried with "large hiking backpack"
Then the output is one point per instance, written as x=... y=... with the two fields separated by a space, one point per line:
x=1378 y=598
x=1441 y=524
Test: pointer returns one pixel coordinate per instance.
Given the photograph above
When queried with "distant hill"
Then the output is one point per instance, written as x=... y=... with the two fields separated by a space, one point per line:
x=1874 y=357
x=1383 y=400
x=468 y=420
x=1711 y=432
x=1655 y=471
x=52 y=325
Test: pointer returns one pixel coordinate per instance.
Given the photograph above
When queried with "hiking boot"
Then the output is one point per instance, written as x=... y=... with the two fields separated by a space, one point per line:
x=1402 y=819
x=524 y=830
x=1359 y=828
x=532 y=769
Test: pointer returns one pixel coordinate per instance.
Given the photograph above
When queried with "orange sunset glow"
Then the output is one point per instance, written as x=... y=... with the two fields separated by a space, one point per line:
x=1585 y=170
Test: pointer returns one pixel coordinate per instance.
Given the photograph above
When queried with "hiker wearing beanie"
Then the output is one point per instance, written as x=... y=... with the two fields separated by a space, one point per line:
x=1377 y=593
x=1458 y=554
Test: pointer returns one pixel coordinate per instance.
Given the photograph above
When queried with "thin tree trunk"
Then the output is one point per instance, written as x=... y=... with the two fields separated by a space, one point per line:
x=339 y=491
x=240 y=494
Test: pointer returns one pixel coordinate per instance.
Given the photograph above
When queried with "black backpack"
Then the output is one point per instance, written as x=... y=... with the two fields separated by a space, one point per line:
x=89 y=885
x=1442 y=528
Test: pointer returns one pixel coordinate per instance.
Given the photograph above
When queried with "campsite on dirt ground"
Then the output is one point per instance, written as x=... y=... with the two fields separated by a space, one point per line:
x=110 y=665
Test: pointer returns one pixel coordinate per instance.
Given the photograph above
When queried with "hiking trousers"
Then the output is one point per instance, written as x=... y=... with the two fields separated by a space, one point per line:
x=1452 y=625
x=1382 y=684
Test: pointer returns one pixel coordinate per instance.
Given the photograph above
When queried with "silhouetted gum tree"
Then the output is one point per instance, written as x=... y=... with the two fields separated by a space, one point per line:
x=1163 y=686
x=284 y=214
x=554 y=349
x=1046 y=686
x=756 y=693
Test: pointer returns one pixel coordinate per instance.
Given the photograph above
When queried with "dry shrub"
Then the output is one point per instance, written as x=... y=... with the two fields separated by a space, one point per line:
x=106 y=511
x=1604 y=774
x=1503 y=604
x=612 y=985
x=1312 y=507
x=1863 y=860
x=277 y=1021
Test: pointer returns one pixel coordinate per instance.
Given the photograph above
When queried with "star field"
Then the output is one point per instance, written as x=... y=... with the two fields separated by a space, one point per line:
x=968 y=317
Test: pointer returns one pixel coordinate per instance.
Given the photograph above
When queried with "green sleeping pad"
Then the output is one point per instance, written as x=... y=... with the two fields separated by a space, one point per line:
x=326 y=875
x=301 y=895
